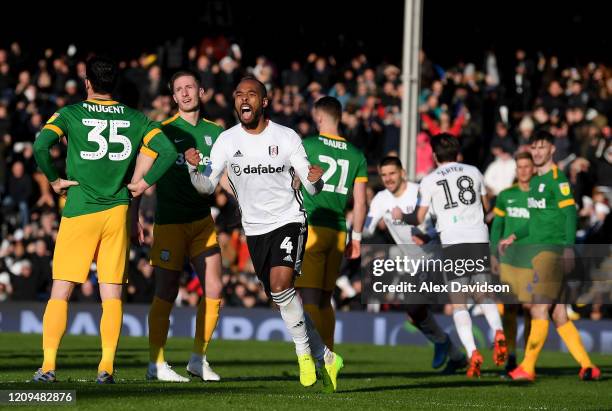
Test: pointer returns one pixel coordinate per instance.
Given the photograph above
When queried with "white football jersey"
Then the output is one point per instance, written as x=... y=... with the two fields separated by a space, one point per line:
x=381 y=206
x=260 y=169
x=453 y=193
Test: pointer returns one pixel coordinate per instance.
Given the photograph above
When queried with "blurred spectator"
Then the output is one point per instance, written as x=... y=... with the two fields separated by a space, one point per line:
x=501 y=172
x=41 y=266
x=19 y=190
x=502 y=139
x=25 y=285
x=87 y=292
x=5 y=286
x=141 y=285
x=294 y=77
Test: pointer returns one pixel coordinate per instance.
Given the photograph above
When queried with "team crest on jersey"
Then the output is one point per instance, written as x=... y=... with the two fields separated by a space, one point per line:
x=565 y=188
x=541 y=187
x=52 y=118
x=208 y=140
x=273 y=151
x=164 y=255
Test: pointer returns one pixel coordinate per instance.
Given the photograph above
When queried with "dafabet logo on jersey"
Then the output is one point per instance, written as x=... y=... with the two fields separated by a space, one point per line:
x=259 y=169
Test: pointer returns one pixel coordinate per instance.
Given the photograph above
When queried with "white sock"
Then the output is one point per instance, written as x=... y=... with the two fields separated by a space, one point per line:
x=319 y=350
x=463 y=324
x=491 y=313
x=292 y=311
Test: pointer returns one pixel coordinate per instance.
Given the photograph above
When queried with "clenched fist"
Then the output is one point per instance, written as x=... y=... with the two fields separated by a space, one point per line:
x=192 y=156
x=314 y=173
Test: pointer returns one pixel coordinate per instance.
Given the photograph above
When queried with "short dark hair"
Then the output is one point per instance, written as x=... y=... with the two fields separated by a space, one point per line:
x=542 y=135
x=182 y=73
x=391 y=161
x=445 y=147
x=330 y=106
x=260 y=84
x=523 y=155
x=102 y=73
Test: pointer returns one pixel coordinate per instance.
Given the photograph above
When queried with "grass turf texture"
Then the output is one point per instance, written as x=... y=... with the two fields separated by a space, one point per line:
x=264 y=375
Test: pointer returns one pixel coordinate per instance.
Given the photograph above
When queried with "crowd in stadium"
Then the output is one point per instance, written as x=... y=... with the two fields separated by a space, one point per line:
x=492 y=108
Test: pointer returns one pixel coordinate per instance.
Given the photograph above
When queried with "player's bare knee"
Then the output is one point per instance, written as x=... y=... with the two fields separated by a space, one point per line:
x=212 y=278
x=559 y=315
x=279 y=286
x=281 y=278
x=213 y=288
x=61 y=290
x=539 y=311
x=110 y=291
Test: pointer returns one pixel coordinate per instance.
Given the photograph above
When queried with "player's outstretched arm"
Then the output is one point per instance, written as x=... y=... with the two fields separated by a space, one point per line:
x=415 y=218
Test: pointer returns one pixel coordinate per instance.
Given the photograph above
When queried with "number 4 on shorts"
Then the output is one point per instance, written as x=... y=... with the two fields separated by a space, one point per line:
x=287 y=245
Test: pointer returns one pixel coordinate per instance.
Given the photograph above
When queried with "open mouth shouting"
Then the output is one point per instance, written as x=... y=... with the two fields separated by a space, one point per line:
x=246 y=112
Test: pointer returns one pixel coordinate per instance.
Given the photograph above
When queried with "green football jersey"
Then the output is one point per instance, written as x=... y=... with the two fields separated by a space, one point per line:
x=177 y=200
x=549 y=194
x=511 y=207
x=344 y=165
x=104 y=137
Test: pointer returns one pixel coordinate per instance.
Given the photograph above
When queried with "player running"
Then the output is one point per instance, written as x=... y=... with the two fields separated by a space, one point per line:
x=183 y=229
x=404 y=195
x=551 y=233
x=103 y=139
x=346 y=169
x=261 y=159
x=456 y=194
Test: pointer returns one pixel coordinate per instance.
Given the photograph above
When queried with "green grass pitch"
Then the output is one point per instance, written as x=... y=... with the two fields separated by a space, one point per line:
x=263 y=375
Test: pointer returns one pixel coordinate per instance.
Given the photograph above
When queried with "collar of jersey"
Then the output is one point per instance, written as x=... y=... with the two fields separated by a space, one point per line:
x=102 y=102
x=333 y=137
x=554 y=170
x=177 y=118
